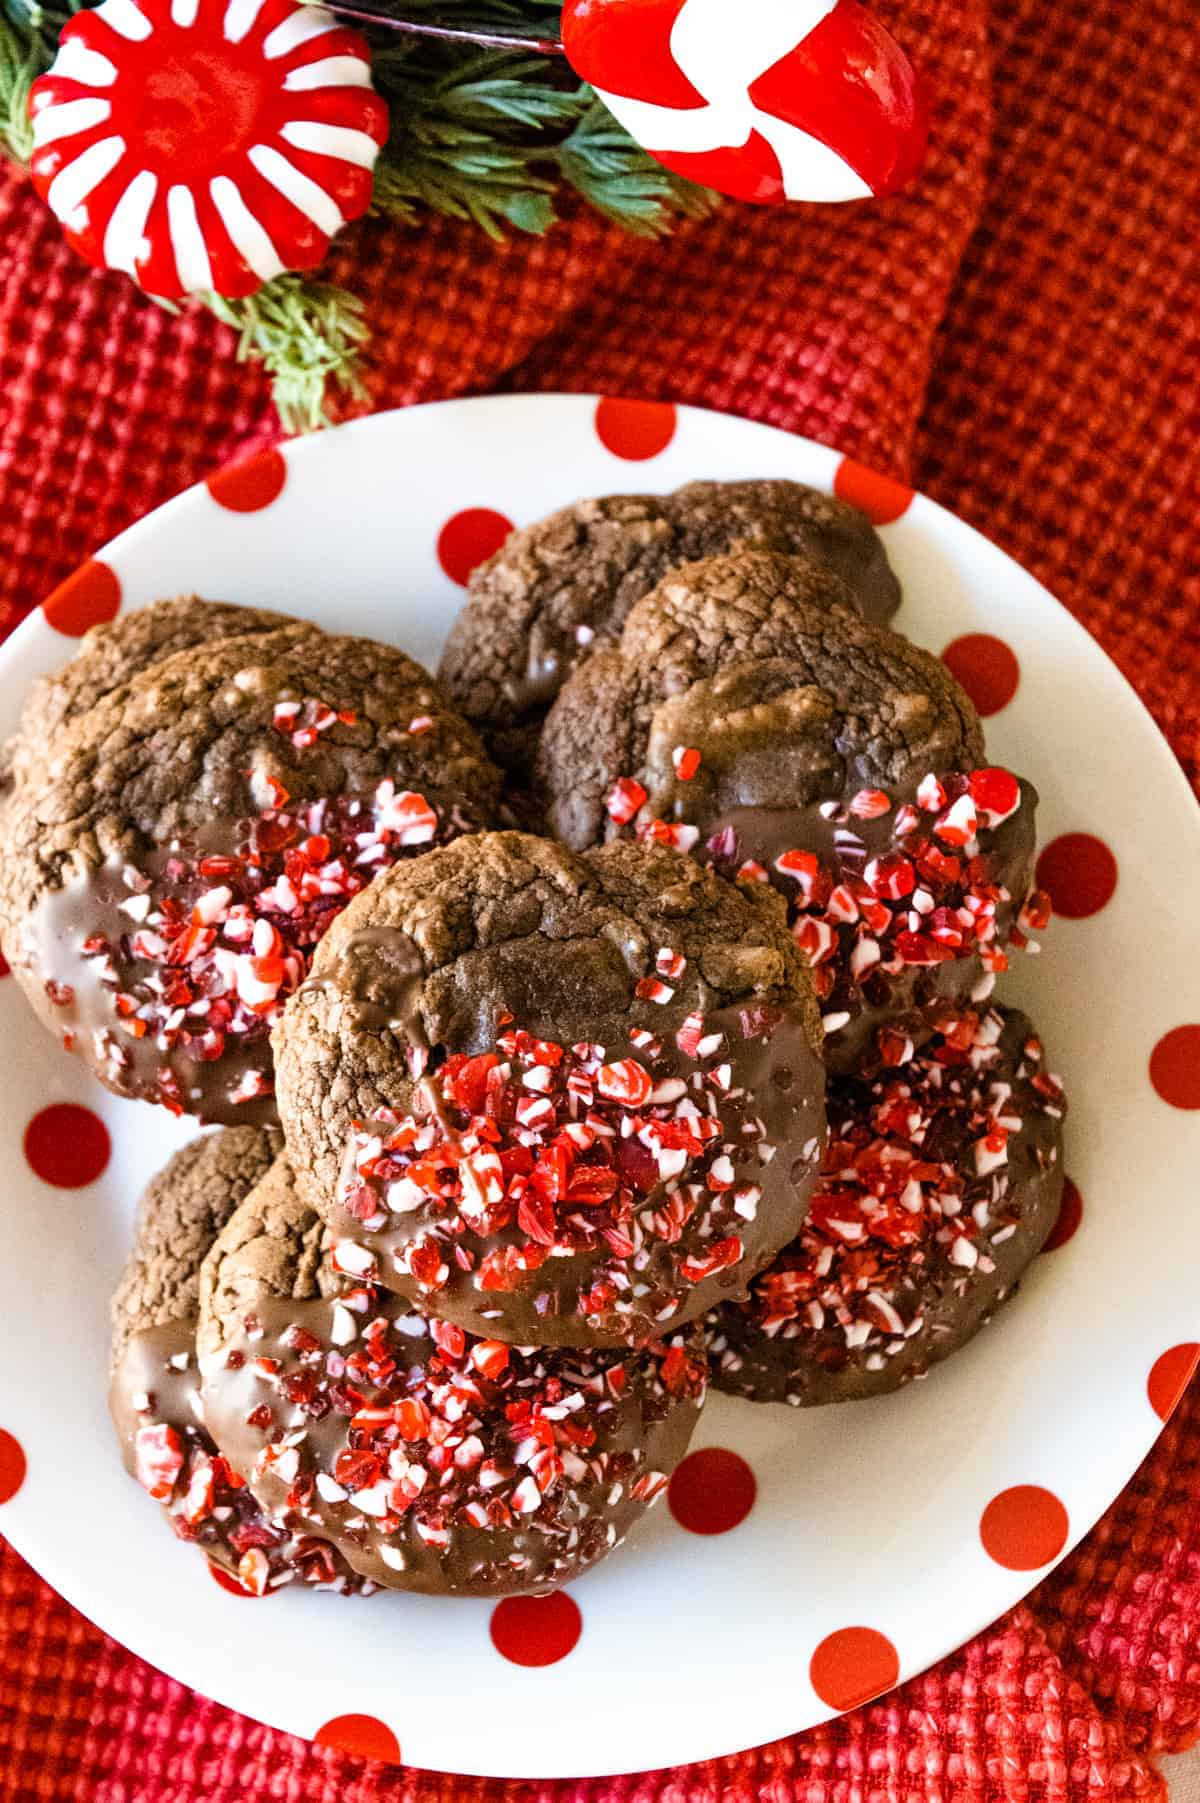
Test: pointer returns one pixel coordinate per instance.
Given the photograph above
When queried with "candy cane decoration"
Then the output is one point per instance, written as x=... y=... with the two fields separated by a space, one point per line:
x=206 y=144
x=767 y=100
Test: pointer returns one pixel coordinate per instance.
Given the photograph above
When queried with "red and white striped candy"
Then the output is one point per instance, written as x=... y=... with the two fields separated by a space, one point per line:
x=766 y=100
x=206 y=144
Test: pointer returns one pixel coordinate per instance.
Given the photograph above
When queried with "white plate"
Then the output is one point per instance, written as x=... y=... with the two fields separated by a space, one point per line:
x=866 y=1516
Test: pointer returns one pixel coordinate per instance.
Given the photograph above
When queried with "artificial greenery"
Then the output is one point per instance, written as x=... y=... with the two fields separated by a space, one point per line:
x=493 y=135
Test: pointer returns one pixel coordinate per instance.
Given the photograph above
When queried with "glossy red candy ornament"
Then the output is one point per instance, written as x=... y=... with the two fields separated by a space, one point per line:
x=206 y=144
x=766 y=100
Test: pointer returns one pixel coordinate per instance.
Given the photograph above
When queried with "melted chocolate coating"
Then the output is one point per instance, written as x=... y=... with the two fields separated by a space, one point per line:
x=790 y=714
x=78 y=995
x=855 y=1008
x=770 y=1134
x=888 y=1308
x=155 y=1384
x=788 y=699
x=76 y=999
x=432 y=1460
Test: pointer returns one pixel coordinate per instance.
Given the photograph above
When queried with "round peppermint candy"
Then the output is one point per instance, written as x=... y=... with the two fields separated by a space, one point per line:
x=205 y=145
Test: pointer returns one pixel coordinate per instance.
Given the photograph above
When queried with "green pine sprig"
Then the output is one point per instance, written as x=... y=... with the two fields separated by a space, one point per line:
x=494 y=135
x=23 y=55
x=308 y=336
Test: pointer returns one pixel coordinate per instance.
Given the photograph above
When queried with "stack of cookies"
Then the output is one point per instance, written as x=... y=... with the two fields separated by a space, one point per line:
x=526 y=1136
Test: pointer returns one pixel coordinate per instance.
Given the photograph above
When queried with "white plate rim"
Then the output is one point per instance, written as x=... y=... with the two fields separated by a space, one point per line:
x=813 y=463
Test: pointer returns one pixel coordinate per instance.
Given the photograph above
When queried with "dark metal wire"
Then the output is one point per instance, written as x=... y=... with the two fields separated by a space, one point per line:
x=484 y=35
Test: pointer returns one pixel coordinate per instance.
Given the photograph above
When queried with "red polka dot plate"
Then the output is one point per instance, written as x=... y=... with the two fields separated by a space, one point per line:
x=816 y=1556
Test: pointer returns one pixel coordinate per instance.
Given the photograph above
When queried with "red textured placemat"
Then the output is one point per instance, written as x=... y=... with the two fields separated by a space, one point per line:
x=1020 y=338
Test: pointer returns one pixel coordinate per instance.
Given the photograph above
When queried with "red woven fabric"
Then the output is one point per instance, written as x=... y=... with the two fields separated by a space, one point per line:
x=1019 y=337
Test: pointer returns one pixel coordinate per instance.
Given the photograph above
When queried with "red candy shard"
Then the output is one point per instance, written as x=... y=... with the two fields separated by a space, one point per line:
x=158 y=1451
x=995 y=792
x=625 y=798
x=627 y=1082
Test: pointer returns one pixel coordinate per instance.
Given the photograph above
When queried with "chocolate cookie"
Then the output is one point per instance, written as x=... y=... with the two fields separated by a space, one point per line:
x=786 y=743
x=558 y=1100
x=111 y=655
x=562 y=588
x=433 y=1460
x=943 y=1177
x=173 y=858
x=154 y=1395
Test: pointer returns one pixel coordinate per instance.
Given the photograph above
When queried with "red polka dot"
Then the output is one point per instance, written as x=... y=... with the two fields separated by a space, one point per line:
x=251 y=485
x=712 y=1491
x=986 y=668
x=1024 y=1528
x=1175 y=1067
x=1170 y=1375
x=881 y=498
x=227 y=1581
x=852 y=1666
x=1079 y=874
x=67 y=1146
x=12 y=1466
x=365 y=1736
x=635 y=430
x=1070 y=1213
x=536 y=1630
x=468 y=539
x=88 y=598
x=4 y=970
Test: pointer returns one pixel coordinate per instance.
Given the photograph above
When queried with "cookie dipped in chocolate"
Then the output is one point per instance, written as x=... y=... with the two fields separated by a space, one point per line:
x=942 y=1179
x=556 y=1100
x=560 y=589
x=174 y=859
x=154 y=1392
x=820 y=754
x=433 y=1460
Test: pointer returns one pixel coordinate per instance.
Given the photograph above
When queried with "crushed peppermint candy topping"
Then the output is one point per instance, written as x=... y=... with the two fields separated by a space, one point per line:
x=427 y=1432
x=915 y=1189
x=539 y=1152
x=211 y=944
x=303 y=722
x=927 y=896
x=209 y=1504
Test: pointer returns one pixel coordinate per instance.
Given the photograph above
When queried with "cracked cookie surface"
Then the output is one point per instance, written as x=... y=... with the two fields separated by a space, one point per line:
x=562 y=588
x=112 y=654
